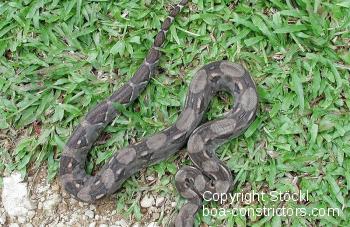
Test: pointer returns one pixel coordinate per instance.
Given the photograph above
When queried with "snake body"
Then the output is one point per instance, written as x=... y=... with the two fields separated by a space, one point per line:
x=209 y=173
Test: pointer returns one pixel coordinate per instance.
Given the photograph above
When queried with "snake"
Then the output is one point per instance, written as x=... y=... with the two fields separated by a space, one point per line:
x=209 y=173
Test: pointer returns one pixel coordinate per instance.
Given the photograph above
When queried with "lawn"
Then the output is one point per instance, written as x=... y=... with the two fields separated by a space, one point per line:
x=58 y=59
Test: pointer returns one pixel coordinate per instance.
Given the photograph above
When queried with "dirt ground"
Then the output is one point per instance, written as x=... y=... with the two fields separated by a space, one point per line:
x=50 y=205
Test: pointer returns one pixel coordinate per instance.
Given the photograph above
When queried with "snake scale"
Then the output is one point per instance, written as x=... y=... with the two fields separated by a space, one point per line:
x=209 y=173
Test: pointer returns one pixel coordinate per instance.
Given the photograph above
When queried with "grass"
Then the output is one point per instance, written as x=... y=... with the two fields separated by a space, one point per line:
x=60 y=58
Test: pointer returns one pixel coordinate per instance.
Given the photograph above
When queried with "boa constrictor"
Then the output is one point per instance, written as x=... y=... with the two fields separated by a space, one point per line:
x=209 y=173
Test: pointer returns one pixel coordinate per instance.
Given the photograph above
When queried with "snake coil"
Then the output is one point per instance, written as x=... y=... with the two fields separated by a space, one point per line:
x=209 y=173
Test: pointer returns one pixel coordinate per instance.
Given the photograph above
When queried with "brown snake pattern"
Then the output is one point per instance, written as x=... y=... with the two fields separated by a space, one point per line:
x=209 y=173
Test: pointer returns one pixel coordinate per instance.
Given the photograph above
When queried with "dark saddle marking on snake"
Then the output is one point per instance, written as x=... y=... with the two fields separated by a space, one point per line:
x=209 y=173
